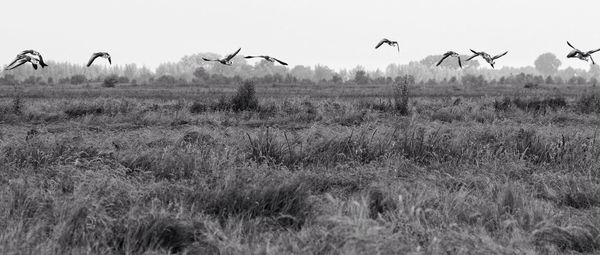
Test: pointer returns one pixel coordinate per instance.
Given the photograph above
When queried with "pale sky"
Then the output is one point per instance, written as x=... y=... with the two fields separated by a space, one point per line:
x=336 y=33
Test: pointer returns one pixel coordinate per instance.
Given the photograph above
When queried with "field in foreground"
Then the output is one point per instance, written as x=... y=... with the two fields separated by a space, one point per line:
x=174 y=171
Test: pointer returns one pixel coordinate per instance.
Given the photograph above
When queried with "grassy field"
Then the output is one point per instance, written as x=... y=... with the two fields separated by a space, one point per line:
x=321 y=169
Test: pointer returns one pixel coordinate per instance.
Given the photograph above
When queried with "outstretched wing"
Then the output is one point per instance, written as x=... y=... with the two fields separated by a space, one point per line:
x=568 y=43
x=472 y=57
x=230 y=56
x=499 y=56
x=280 y=62
x=206 y=59
x=593 y=51
x=384 y=40
x=109 y=60
x=474 y=52
x=94 y=56
x=593 y=63
x=16 y=64
x=42 y=64
x=34 y=66
x=459 y=62
x=252 y=57
x=19 y=57
x=442 y=60
x=398 y=47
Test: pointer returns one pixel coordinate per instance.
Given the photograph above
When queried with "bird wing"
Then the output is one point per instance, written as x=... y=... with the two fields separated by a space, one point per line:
x=230 y=56
x=252 y=57
x=398 y=47
x=42 y=61
x=94 y=56
x=568 y=43
x=499 y=56
x=16 y=64
x=593 y=51
x=475 y=52
x=206 y=59
x=19 y=57
x=459 y=62
x=280 y=62
x=593 y=63
x=382 y=42
x=109 y=60
x=442 y=60
x=472 y=57
x=34 y=66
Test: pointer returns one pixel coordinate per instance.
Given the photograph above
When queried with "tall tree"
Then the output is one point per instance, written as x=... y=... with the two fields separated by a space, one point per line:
x=547 y=64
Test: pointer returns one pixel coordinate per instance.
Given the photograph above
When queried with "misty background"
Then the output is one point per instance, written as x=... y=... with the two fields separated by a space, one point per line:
x=163 y=41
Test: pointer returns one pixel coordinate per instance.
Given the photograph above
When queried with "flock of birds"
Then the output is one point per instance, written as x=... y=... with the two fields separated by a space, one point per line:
x=35 y=58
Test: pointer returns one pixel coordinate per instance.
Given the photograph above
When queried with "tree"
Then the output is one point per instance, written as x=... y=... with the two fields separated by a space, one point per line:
x=78 y=79
x=201 y=73
x=547 y=64
x=361 y=77
x=110 y=81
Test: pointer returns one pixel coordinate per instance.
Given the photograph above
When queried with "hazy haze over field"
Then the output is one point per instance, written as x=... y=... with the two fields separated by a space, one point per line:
x=340 y=34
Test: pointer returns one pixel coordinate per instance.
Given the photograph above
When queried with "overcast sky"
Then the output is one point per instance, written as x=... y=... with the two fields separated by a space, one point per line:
x=336 y=33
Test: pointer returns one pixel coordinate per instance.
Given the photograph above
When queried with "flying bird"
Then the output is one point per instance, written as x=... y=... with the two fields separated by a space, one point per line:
x=226 y=60
x=32 y=53
x=268 y=58
x=22 y=59
x=97 y=55
x=388 y=42
x=486 y=56
x=576 y=53
x=449 y=54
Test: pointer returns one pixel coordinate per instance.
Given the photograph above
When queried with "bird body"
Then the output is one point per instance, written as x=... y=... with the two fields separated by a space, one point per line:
x=226 y=60
x=576 y=53
x=37 y=54
x=388 y=42
x=450 y=54
x=97 y=55
x=487 y=57
x=268 y=58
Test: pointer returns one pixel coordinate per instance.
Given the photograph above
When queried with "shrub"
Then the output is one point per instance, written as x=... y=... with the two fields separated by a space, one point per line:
x=588 y=104
x=78 y=79
x=198 y=107
x=81 y=110
x=245 y=98
x=401 y=97
x=110 y=81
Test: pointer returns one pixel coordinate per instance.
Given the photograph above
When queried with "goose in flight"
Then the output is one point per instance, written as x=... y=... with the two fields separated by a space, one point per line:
x=388 y=42
x=101 y=55
x=226 y=60
x=449 y=54
x=268 y=58
x=26 y=53
x=22 y=59
x=486 y=56
x=576 y=53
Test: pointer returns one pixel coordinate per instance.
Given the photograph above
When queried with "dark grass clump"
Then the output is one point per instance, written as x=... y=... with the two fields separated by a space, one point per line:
x=245 y=98
x=575 y=238
x=83 y=110
x=17 y=105
x=156 y=233
x=287 y=204
x=588 y=103
x=400 y=97
x=198 y=107
x=380 y=203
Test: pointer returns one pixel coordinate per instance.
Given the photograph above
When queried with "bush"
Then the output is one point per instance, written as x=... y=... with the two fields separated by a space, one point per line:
x=110 y=81
x=78 y=79
x=245 y=98
x=401 y=97
x=588 y=104
x=198 y=107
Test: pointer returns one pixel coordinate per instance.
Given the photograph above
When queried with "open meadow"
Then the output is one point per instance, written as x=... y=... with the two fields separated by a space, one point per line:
x=317 y=169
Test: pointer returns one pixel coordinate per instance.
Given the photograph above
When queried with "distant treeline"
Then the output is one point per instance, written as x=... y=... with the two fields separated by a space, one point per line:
x=193 y=70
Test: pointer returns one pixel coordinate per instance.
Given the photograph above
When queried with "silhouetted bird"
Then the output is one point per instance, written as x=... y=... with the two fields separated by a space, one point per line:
x=388 y=42
x=270 y=59
x=226 y=60
x=22 y=59
x=29 y=52
x=576 y=53
x=486 y=56
x=450 y=54
x=97 y=55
